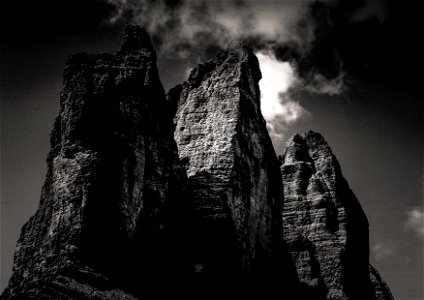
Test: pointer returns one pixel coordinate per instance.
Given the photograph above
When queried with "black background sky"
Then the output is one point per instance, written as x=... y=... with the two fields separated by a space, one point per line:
x=375 y=127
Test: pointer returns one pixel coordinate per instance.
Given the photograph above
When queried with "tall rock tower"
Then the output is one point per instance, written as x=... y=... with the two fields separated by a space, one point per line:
x=325 y=226
x=231 y=166
x=113 y=177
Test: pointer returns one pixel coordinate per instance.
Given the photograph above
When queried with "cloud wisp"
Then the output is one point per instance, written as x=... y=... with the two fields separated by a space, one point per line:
x=415 y=221
x=293 y=41
x=382 y=251
x=184 y=25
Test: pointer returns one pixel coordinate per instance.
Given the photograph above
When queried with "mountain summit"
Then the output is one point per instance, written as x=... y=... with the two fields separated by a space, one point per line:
x=143 y=185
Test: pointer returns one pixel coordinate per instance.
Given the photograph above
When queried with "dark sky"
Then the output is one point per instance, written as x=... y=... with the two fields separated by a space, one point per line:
x=373 y=121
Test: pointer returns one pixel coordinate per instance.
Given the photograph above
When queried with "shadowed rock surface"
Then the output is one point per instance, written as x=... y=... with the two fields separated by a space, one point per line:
x=231 y=165
x=380 y=289
x=113 y=178
x=324 y=224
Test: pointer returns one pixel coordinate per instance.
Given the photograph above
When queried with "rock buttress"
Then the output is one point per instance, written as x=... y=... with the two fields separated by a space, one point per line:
x=231 y=165
x=324 y=224
x=113 y=185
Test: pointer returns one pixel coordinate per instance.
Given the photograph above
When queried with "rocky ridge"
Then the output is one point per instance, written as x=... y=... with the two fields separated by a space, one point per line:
x=143 y=185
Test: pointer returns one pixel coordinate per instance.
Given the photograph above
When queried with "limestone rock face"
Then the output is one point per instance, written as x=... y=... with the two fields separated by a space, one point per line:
x=113 y=178
x=324 y=224
x=231 y=165
x=143 y=188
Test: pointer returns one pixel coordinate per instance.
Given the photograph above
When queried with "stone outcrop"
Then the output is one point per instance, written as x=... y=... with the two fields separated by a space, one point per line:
x=113 y=177
x=142 y=186
x=231 y=166
x=324 y=224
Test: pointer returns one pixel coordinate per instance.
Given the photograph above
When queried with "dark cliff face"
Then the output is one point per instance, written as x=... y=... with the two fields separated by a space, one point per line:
x=139 y=185
x=113 y=178
x=324 y=224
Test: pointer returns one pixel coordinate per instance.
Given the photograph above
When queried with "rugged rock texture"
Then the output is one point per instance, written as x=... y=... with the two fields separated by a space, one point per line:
x=324 y=224
x=380 y=289
x=121 y=206
x=113 y=177
x=231 y=166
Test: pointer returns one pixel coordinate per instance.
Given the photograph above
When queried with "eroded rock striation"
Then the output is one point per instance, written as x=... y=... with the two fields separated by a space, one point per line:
x=113 y=178
x=324 y=224
x=140 y=185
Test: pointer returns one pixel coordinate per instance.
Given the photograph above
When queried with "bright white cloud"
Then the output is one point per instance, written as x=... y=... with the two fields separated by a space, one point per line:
x=415 y=221
x=278 y=107
x=277 y=78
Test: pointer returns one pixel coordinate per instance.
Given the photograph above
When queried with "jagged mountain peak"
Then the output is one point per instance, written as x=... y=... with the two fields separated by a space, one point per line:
x=311 y=148
x=324 y=224
x=228 y=58
x=104 y=220
x=308 y=142
x=128 y=196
